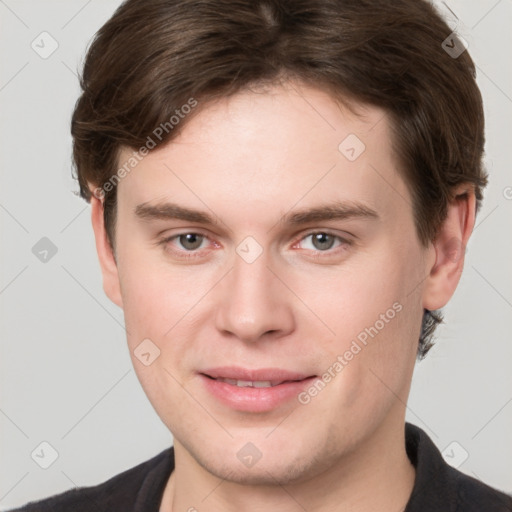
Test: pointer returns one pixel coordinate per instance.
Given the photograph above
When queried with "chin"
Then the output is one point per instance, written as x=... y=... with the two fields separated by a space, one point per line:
x=270 y=466
x=262 y=473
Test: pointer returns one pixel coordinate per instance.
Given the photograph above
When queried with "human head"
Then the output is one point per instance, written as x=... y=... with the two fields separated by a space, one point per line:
x=246 y=116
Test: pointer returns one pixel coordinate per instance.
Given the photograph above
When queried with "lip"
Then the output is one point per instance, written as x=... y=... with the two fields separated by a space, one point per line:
x=250 y=399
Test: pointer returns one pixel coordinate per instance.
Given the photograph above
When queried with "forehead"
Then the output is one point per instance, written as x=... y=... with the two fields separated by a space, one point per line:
x=272 y=148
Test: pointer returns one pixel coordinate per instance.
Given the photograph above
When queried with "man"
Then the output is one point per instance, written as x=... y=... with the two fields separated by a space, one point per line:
x=281 y=194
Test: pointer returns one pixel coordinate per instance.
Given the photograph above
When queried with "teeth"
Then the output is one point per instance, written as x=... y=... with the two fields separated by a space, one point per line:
x=249 y=383
x=262 y=384
x=244 y=383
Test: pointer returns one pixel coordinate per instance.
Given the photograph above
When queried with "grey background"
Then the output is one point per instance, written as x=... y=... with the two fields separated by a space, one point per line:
x=66 y=376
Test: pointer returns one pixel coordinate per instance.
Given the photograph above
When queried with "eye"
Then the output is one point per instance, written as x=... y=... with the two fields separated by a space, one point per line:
x=185 y=245
x=322 y=241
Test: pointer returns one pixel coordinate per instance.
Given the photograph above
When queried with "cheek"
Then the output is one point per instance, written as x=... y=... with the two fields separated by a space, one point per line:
x=165 y=306
x=376 y=321
x=156 y=297
x=156 y=306
x=368 y=291
x=147 y=312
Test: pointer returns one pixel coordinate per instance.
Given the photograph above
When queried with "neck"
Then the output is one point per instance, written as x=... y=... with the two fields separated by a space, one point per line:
x=376 y=476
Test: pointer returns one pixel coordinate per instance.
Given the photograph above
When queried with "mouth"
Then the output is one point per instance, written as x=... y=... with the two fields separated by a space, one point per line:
x=254 y=390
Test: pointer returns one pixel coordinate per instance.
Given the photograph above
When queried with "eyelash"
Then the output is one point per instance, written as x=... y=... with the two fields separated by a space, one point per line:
x=184 y=254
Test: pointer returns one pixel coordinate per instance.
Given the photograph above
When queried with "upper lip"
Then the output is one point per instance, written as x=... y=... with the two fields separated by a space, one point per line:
x=259 y=374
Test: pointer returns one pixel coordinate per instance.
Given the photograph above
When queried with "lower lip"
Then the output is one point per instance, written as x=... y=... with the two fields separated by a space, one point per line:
x=250 y=399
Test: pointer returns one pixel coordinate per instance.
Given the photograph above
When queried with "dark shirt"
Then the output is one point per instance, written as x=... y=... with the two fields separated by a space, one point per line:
x=437 y=487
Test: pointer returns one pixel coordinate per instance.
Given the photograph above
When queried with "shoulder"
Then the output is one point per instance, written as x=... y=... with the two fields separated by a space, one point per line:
x=474 y=495
x=121 y=492
x=438 y=486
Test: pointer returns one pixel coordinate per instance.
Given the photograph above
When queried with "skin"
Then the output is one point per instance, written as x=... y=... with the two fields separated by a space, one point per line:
x=248 y=160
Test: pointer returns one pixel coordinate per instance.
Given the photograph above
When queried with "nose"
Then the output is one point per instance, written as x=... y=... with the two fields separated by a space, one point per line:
x=254 y=303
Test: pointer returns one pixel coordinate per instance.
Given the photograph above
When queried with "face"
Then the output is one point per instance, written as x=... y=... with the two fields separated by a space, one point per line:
x=267 y=244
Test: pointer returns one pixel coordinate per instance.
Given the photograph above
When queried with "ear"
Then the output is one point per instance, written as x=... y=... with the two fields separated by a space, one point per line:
x=108 y=264
x=450 y=247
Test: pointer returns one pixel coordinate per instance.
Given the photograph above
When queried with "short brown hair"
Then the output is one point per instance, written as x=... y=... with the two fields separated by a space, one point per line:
x=153 y=56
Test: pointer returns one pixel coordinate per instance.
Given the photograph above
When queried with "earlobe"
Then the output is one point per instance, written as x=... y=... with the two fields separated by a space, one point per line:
x=450 y=248
x=108 y=264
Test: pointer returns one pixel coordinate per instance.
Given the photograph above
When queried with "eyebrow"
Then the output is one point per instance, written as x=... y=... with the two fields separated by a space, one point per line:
x=330 y=211
x=171 y=211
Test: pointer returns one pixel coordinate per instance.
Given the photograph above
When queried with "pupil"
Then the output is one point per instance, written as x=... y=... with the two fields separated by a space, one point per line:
x=322 y=241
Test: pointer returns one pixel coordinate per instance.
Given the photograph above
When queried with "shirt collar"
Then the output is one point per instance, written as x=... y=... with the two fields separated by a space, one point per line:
x=434 y=486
